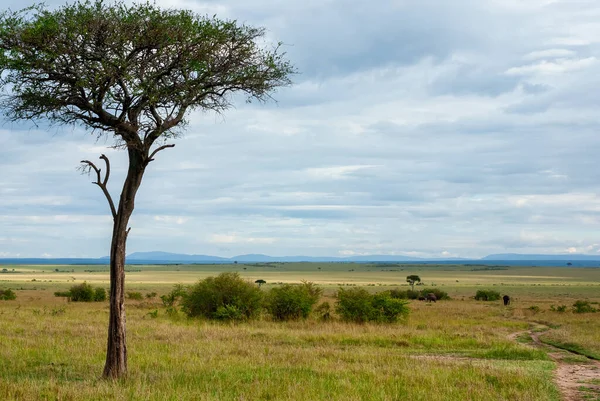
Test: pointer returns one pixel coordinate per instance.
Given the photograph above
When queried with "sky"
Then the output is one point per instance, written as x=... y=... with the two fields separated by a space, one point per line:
x=421 y=128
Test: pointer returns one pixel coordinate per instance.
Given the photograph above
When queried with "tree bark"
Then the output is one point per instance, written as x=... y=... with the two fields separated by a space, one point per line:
x=116 y=352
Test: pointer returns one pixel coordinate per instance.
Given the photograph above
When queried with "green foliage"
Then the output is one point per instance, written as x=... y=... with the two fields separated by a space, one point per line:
x=292 y=302
x=487 y=295
x=100 y=294
x=583 y=307
x=215 y=298
x=175 y=295
x=151 y=295
x=412 y=279
x=410 y=294
x=534 y=308
x=7 y=295
x=82 y=293
x=559 y=308
x=73 y=64
x=360 y=306
x=135 y=295
x=153 y=314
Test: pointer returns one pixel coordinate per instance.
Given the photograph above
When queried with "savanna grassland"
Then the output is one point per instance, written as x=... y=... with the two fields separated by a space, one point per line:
x=460 y=349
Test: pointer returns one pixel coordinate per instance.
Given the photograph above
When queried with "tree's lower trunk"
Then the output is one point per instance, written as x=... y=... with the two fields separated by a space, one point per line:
x=116 y=353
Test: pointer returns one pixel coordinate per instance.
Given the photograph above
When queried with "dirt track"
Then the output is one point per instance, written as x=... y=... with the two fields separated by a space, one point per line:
x=577 y=381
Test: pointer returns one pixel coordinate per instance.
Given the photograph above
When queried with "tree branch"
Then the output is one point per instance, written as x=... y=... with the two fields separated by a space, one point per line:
x=102 y=183
x=151 y=157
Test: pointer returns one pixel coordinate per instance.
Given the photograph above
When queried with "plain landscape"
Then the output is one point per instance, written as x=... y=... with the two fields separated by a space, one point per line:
x=536 y=348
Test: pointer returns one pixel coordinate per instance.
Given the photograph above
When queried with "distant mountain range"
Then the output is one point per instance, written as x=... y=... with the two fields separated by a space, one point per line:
x=177 y=258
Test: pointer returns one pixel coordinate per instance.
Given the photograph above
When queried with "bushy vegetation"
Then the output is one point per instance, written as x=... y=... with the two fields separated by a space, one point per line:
x=225 y=297
x=583 y=307
x=360 y=306
x=559 y=308
x=169 y=300
x=487 y=295
x=135 y=296
x=292 y=302
x=84 y=293
x=100 y=294
x=7 y=295
x=64 y=294
x=411 y=294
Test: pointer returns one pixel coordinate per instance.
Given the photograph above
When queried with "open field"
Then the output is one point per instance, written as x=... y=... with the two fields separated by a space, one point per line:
x=460 y=349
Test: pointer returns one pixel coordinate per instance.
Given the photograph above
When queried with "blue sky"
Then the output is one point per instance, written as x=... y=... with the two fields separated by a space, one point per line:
x=422 y=128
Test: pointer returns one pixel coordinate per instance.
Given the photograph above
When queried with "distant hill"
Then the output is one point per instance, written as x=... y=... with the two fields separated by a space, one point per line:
x=157 y=257
x=173 y=257
x=517 y=256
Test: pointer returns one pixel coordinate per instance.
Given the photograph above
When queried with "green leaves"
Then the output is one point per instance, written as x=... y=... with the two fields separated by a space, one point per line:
x=134 y=70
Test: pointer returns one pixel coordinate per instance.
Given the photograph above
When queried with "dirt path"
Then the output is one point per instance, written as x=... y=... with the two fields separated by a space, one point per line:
x=577 y=381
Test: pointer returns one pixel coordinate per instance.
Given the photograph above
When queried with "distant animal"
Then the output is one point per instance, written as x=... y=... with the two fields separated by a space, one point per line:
x=506 y=300
x=421 y=298
x=431 y=297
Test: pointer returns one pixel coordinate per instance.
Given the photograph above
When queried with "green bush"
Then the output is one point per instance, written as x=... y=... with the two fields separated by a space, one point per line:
x=360 y=306
x=406 y=294
x=410 y=294
x=100 y=294
x=135 y=296
x=583 y=307
x=216 y=297
x=82 y=293
x=171 y=298
x=440 y=295
x=151 y=295
x=7 y=295
x=487 y=295
x=292 y=302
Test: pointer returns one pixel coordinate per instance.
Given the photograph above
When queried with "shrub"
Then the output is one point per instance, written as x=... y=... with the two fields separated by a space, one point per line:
x=151 y=295
x=7 y=295
x=100 y=294
x=487 y=295
x=406 y=294
x=358 y=305
x=171 y=298
x=583 y=307
x=82 y=293
x=293 y=302
x=439 y=294
x=135 y=296
x=324 y=311
x=534 y=308
x=209 y=297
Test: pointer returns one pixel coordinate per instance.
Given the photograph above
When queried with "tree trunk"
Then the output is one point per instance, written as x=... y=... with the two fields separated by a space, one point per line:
x=116 y=352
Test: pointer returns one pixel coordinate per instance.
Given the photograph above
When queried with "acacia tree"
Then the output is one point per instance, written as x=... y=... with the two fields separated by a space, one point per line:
x=132 y=72
x=412 y=279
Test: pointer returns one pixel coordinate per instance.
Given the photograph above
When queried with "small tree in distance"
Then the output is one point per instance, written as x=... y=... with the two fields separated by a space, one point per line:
x=132 y=72
x=412 y=279
x=260 y=282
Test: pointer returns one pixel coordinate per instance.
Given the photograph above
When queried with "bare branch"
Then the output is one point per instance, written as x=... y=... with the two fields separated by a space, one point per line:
x=151 y=158
x=103 y=157
x=88 y=165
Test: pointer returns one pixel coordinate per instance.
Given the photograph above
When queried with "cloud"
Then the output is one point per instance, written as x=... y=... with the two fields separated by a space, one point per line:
x=432 y=128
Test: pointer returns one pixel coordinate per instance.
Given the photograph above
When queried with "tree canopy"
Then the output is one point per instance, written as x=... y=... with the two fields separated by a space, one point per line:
x=131 y=70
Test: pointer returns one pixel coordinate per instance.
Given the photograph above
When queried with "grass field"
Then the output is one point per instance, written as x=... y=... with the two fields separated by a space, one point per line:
x=452 y=350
